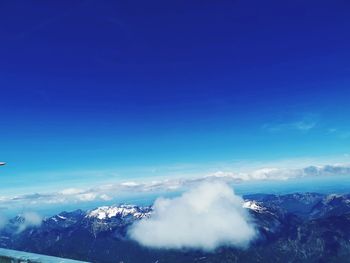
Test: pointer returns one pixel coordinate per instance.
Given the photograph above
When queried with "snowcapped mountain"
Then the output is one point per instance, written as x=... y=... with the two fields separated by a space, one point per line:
x=253 y=205
x=292 y=228
x=105 y=212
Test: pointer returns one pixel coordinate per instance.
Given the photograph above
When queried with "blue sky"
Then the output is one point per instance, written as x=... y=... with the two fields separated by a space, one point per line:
x=109 y=90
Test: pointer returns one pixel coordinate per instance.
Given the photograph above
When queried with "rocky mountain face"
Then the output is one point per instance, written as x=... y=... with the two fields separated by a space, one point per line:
x=292 y=228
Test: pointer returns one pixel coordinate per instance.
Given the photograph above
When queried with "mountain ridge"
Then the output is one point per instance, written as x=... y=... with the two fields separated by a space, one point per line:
x=301 y=227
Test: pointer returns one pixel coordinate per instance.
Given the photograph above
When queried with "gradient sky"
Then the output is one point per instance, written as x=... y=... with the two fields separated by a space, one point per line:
x=118 y=88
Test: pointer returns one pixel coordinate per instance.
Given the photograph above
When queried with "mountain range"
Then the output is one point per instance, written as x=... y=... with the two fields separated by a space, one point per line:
x=300 y=227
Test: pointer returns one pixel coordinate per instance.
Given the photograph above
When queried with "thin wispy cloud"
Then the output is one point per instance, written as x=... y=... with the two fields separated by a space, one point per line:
x=30 y=219
x=305 y=124
x=341 y=134
x=3 y=221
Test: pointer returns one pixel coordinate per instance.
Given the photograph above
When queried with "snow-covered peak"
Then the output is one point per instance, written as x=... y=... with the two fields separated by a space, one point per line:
x=253 y=206
x=105 y=212
x=57 y=218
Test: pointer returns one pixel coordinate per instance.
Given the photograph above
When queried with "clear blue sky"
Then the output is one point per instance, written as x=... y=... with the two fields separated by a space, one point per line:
x=114 y=85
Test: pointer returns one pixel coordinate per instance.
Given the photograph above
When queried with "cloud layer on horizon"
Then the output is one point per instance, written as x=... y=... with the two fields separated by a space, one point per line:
x=205 y=217
x=109 y=192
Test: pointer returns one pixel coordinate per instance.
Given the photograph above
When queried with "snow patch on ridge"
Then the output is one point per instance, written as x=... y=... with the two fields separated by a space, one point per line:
x=252 y=205
x=105 y=212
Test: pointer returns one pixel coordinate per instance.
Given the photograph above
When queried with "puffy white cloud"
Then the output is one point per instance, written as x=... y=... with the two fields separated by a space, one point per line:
x=208 y=216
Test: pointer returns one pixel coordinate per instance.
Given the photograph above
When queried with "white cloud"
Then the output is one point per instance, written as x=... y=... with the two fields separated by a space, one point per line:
x=257 y=172
x=87 y=197
x=305 y=124
x=130 y=184
x=3 y=221
x=274 y=173
x=71 y=191
x=105 y=197
x=30 y=219
x=208 y=216
x=340 y=134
